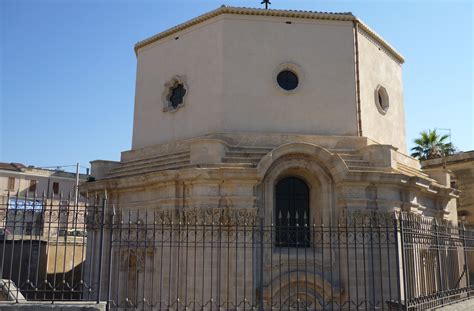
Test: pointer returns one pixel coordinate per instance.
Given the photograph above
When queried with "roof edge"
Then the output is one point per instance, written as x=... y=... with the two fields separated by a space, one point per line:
x=266 y=12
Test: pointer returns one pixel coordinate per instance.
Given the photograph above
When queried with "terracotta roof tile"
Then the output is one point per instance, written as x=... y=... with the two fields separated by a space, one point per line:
x=11 y=166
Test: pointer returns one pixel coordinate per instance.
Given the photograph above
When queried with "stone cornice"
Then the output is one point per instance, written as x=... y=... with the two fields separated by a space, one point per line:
x=274 y=13
x=462 y=157
x=187 y=175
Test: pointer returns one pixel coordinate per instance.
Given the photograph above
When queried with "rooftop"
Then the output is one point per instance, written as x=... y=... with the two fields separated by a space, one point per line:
x=11 y=166
x=32 y=170
x=347 y=16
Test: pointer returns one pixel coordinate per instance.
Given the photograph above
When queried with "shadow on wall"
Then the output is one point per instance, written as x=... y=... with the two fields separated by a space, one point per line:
x=43 y=271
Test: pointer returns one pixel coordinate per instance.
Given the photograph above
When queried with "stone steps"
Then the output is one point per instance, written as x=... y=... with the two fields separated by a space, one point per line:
x=344 y=151
x=149 y=169
x=253 y=160
x=251 y=149
x=410 y=170
x=357 y=163
x=155 y=163
x=179 y=165
x=245 y=156
x=368 y=169
x=350 y=157
x=230 y=165
x=149 y=162
x=157 y=158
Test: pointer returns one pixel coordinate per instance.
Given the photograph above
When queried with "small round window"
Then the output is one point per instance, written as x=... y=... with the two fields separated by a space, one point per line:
x=287 y=80
x=381 y=99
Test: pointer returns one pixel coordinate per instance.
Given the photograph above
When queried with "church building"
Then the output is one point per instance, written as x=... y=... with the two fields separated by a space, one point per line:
x=264 y=118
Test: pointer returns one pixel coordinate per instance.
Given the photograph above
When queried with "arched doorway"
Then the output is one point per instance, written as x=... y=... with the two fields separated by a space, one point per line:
x=292 y=213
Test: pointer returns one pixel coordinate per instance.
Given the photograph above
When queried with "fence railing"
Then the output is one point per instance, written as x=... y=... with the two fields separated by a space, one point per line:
x=43 y=243
x=57 y=248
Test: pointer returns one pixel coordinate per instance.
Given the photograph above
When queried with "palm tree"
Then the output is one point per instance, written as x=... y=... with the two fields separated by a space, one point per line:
x=431 y=145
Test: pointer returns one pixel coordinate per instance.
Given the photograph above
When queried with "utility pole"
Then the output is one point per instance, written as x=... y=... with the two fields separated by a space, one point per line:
x=76 y=187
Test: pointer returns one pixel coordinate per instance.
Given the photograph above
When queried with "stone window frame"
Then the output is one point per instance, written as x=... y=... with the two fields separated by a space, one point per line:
x=296 y=69
x=177 y=79
x=383 y=106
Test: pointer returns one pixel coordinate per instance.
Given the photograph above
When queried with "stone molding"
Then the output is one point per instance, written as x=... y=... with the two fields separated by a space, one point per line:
x=187 y=216
x=275 y=13
x=296 y=69
x=365 y=31
x=385 y=105
x=249 y=139
x=334 y=164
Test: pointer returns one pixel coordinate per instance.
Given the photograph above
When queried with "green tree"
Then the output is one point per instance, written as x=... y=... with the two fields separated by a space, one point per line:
x=431 y=145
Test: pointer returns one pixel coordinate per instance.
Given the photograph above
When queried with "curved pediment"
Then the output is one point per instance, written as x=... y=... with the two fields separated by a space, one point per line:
x=330 y=162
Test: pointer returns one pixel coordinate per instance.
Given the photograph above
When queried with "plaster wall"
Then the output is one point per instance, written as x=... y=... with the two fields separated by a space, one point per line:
x=460 y=167
x=57 y=306
x=44 y=183
x=230 y=65
x=197 y=56
x=376 y=67
x=254 y=50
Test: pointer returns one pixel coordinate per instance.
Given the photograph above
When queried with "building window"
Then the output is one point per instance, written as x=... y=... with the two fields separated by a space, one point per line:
x=288 y=77
x=292 y=213
x=32 y=187
x=55 y=187
x=287 y=80
x=175 y=93
x=11 y=183
x=381 y=99
x=454 y=184
x=28 y=228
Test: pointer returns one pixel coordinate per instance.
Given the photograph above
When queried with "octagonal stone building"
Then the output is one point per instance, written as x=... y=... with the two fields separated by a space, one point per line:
x=245 y=114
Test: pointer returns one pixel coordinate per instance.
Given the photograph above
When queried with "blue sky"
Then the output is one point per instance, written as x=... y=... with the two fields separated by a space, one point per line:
x=67 y=68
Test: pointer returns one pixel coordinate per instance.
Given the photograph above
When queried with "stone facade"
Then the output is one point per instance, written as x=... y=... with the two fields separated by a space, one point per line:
x=461 y=173
x=219 y=157
x=239 y=170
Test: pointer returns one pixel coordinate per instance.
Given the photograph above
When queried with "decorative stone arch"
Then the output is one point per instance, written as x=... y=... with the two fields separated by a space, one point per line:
x=309 y=292
x=315 y=165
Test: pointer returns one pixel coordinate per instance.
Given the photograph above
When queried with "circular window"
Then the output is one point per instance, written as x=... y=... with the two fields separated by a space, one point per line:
x=381 y=99
x=287 y=80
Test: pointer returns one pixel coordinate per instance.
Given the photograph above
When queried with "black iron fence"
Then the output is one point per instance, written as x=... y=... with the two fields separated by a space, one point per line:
x=43 y=243
x=63 y=248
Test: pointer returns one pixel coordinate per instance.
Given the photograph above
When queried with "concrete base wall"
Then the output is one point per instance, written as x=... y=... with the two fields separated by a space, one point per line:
x=459 y=306
x=47 y=306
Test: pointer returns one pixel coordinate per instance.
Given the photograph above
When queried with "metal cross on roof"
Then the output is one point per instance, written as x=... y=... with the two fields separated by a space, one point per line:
x=266 y=2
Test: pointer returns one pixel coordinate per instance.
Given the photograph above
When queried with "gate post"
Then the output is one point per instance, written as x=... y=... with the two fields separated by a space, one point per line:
x=101 y=247
x=111 y=232
x=399 y=231
x=466 y=262
x=261 y=225
x=438 y=245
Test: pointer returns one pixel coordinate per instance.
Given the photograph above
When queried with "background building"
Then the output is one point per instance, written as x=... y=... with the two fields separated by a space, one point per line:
x=460 y=167
x=42 y=226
